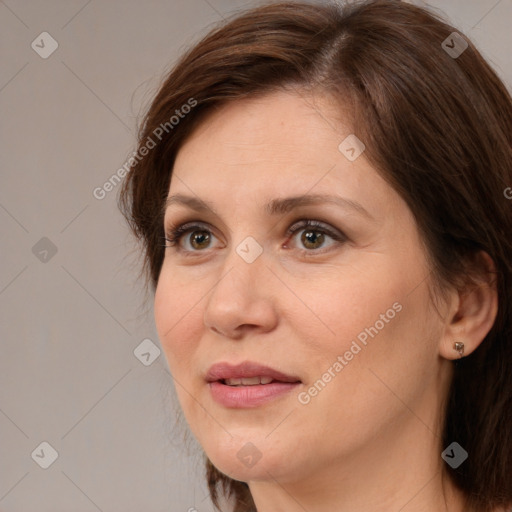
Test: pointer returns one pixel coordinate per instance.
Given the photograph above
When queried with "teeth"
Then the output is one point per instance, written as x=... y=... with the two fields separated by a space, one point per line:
x=248 y=381
x=233 y=382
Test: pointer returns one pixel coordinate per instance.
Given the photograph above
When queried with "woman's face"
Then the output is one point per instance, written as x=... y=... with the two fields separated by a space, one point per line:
x=337 y=313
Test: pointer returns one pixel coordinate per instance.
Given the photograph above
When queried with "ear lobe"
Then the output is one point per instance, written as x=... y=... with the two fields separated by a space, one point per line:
x=472 y=311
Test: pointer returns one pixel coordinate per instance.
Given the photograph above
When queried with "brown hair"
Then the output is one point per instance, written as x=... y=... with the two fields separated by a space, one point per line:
x=438 y=128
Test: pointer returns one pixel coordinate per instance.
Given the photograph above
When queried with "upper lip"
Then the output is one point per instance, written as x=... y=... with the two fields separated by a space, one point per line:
x=247 y=369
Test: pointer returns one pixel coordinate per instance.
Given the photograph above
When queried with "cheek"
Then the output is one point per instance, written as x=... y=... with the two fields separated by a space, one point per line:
x=337 y=308
x=178 y=320
x=376 y=319
x=375 y=332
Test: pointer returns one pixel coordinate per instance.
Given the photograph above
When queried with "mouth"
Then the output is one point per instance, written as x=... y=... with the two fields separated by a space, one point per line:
x=247 y=381
x=248 y=385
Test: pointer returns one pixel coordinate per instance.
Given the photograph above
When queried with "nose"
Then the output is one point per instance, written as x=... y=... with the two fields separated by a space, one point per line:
x=241 y=301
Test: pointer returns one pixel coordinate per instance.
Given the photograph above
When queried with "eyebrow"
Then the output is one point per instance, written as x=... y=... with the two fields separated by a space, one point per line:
x=278 y=206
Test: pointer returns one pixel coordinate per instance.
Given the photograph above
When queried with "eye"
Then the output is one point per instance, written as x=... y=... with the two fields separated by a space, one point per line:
x=314 y=235
x=198 y=238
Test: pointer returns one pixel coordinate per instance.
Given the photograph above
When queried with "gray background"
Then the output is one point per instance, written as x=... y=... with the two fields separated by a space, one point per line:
x=70 y=321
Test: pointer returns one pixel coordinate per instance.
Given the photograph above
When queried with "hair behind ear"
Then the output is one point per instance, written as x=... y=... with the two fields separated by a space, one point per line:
x=232 y=489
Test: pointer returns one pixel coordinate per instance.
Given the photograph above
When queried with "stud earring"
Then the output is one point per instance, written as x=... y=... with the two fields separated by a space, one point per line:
x=459 y=347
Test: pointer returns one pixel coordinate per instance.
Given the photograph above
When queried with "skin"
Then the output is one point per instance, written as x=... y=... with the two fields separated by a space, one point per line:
x=370 y=439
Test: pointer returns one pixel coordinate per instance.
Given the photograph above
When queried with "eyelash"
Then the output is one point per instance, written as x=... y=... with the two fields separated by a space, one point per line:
x=176 y=234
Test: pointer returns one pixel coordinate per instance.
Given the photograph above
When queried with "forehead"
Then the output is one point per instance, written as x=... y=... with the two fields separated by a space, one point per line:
x=278 y=125
x=275 y=145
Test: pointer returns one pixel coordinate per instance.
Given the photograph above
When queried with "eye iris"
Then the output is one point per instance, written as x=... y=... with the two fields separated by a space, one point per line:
x=311 y=237
x=199 y=237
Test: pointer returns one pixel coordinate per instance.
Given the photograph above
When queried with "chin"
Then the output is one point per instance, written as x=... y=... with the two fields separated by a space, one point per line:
x=246 y=456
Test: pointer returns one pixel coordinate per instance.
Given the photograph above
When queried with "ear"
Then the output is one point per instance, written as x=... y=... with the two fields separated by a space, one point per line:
x=471 y=311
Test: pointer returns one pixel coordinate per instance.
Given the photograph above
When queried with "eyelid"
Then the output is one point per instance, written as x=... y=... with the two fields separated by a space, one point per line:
x=171 y=226
x=175 y=217
x=316 y=225
x=302 y=222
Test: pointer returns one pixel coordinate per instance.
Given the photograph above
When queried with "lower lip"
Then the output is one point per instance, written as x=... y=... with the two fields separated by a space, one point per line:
x=239 y=397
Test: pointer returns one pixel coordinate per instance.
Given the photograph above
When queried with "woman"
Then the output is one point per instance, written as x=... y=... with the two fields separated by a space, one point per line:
x=321 y=196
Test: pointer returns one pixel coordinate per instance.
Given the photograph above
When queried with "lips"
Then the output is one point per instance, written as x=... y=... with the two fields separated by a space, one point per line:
x=246 y=371
x=248 y=384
